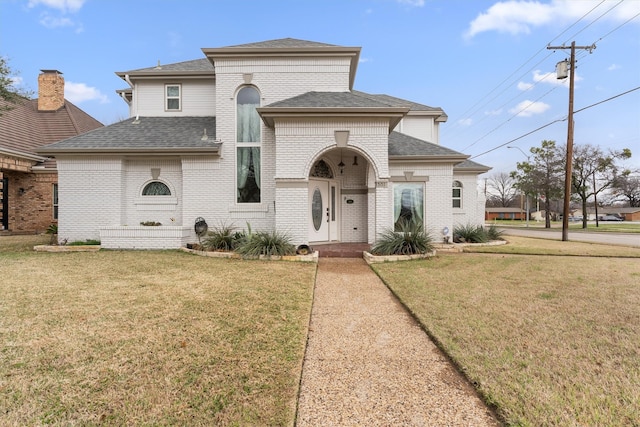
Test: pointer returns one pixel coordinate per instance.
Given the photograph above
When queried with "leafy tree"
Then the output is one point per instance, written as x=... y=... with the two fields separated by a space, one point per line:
x=627 y=187
x=594 y=171
x=8 y=94
x=542 y=174
x=502 y=190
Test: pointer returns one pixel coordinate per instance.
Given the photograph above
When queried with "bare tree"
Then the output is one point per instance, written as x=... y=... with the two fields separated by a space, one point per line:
x=594 y=171
x=627 y=188
x=543 y=174
x=501 y=190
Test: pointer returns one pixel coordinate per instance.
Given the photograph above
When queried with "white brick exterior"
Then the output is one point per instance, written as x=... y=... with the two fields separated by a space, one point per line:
x=100 y=197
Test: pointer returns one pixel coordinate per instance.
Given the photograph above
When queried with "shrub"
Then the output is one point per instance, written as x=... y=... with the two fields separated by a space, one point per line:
x=410 y=240
x=273 y=243
x=92 y=242
x=469 y=234
x=52 y=230
x=222 y=238
x=493 y=233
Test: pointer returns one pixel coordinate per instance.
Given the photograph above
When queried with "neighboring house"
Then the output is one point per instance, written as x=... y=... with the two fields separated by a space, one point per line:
x=270 y=134
x=626 y=213
x=28 y=181
x=492 y=214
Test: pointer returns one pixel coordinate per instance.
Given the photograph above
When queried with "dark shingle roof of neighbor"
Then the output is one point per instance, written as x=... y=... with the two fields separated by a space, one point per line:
x=23 y=128
x=150 y=134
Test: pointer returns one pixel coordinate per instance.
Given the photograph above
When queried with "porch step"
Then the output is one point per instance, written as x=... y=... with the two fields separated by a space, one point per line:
x=341 y=250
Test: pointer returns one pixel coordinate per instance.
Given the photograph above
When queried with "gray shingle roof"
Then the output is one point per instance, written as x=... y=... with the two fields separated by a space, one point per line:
x=194 y=66
x=471 y=166
x=329 y=100
x=151 y=134
x=284 y=43
x=401 y=145
x=398 y=102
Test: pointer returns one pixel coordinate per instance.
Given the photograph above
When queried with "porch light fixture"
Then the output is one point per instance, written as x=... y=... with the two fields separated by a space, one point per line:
x=341 y=165
x=355 y=161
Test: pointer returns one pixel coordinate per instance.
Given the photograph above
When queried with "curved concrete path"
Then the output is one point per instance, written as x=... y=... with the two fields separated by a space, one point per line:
x=368 y=363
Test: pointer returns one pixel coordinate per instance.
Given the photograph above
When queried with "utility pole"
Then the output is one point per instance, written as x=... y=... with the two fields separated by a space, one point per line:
x=561 y=73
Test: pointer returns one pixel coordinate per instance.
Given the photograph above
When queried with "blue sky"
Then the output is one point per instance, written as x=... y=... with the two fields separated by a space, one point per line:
x=484 y=62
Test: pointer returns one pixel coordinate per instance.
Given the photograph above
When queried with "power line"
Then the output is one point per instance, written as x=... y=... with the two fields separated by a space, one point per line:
x=556 y=121
x=472 y=110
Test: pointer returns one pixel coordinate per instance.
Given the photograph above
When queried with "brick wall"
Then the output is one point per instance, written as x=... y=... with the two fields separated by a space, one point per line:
x=30 y=200
x=50 y=90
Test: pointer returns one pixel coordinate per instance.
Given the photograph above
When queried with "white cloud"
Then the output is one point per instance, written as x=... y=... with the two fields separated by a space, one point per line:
x=50 y=21
x=417 y=3
x=529 y=108
x=493 y=112
x=613 y=67
x=61 y=5
x=465 y=122
x=80 y=92
x=524 y=86
x=519 y=16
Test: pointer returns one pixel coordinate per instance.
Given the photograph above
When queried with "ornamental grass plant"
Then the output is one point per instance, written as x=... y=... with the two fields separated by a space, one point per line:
x=410 y=239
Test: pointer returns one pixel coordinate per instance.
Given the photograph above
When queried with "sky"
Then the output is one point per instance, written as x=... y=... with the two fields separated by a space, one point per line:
x=485 y=63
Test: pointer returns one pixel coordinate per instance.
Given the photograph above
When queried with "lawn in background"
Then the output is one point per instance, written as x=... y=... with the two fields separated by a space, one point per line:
x=149 y=338
x=548 y=340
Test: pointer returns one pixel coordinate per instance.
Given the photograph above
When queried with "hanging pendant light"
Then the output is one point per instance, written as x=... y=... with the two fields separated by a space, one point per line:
x=341 y=165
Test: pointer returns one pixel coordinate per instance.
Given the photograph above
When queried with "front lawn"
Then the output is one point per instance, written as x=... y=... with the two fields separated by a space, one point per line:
x=149 y=338
x=549 y=340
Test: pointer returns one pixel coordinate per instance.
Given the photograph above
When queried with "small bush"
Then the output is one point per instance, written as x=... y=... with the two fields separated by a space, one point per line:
x=410 y=240
x=475 y=234
x=469 y=234
x=271 y=243
x=91 y=242
x=493 y=233
x=222 y=238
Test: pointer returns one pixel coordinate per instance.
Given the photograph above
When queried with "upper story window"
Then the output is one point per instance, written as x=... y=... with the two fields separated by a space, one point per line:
x=156 y=188
x=248 y=146
x=248 y=118
x=457 y=194
x=173 y=94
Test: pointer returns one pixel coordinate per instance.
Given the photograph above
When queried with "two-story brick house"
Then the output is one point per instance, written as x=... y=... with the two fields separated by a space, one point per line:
x=271 y=134
x=29 y=181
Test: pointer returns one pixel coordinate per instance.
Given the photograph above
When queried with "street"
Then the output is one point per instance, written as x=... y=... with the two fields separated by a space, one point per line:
x=609 y=238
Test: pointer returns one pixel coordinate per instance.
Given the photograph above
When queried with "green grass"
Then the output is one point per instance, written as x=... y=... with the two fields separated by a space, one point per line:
x=149 y=338
x=549 y=340
x=603 y=226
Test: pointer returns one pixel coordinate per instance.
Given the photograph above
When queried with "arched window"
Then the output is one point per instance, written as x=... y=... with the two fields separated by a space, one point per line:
x=321 y=170
x=156 y=188
x=457 y=194
x=248 y=145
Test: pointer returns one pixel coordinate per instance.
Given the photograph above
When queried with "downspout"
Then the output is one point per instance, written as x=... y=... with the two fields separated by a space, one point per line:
x=134 y=109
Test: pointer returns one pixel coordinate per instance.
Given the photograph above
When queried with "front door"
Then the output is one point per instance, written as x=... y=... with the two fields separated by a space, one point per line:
x=322 y=212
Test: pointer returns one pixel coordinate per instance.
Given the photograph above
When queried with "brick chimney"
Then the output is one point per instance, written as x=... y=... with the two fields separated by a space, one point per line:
x=50 y=90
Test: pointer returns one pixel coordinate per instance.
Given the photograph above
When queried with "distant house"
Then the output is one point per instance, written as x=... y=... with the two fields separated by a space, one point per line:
x=492 y=214
x=29 y=181
x=626 y=213
x=270 y=134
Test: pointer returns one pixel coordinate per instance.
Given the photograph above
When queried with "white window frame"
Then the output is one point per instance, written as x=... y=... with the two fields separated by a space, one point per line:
x=168 y=97
x=457 y=185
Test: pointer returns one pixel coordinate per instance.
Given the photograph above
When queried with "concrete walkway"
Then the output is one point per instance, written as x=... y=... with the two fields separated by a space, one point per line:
x=369 y=364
